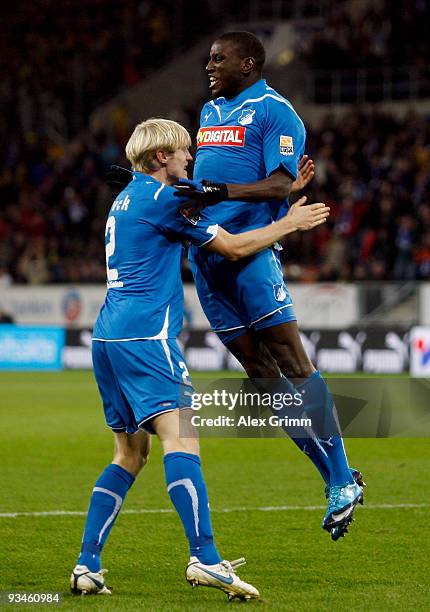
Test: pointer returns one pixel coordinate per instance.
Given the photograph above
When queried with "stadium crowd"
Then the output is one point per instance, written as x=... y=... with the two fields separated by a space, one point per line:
x=374 y=170
x=72 y=57
x=370 y=35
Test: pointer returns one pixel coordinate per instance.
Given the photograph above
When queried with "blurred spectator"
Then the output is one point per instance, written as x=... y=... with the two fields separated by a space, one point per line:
x=5 y=317
x=32 y=265
x=5 y=277
x=404 y=265
x=422 y=257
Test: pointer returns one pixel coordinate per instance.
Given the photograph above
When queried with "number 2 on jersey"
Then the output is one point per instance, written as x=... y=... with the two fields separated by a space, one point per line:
x=112 y=273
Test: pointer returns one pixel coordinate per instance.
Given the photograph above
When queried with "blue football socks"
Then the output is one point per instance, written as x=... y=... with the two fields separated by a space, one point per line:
x=187 y=490
x=321 y=442
x=309 y=445
x=320 y=408
x=306 y=442
x=106 y=501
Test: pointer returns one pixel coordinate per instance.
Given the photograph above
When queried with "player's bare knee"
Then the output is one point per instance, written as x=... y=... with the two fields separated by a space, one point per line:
x=292 y=363
x=259 y=367
x=181 y=445
x=194 y=446
x=262 y=371
x=144 y=449
x=142 y=461
x=293 y=366
x=131 y=451
x=189 y=445
x=131 y=460
x=254 y=357
x=296 y=369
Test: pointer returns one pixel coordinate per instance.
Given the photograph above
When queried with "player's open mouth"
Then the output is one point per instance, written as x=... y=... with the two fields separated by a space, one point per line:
x=212 y=82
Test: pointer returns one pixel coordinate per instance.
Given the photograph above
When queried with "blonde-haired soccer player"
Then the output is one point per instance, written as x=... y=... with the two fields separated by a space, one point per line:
x=140 y=371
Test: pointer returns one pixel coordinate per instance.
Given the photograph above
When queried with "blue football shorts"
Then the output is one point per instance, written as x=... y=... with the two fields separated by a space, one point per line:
x=138 y=380
x=239 y=295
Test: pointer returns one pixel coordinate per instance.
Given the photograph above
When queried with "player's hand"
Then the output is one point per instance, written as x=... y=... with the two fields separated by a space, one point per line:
x=306 y=171
x=200 y=194
x=307 y=217
x=118 y=178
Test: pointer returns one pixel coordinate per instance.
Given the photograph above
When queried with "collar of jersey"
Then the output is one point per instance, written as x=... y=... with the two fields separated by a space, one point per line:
x=249 y=92
x=140 y=177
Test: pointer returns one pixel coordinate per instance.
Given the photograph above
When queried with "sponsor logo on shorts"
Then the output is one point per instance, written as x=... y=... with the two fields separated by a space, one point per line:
x=246 y=116
x=286 y=146
x=231 y=136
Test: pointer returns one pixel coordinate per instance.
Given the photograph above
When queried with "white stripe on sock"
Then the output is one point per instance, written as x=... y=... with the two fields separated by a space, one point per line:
x=188 y=484
x=118 y=504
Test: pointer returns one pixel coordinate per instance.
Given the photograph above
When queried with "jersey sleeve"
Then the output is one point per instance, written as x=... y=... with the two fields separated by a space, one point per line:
x=284 y=138
x=173 y=222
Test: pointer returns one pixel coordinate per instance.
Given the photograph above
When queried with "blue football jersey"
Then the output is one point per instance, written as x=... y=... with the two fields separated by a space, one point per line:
x=243 y=140
x=144 y=231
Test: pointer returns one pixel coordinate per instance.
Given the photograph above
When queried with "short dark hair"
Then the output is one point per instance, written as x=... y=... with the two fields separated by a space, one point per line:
x=248 y=46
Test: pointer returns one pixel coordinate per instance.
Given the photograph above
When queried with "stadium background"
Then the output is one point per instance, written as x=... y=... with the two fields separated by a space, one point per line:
x=76 y=78
x=78 y=82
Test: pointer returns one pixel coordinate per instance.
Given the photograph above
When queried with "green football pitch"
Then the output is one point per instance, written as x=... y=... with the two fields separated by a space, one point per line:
x=267 y=502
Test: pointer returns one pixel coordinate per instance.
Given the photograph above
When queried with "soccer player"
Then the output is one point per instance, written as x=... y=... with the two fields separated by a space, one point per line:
x=140 y=371
x=251 y=141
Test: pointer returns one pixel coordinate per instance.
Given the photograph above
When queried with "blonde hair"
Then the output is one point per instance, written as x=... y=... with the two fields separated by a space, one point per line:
x=154 y=135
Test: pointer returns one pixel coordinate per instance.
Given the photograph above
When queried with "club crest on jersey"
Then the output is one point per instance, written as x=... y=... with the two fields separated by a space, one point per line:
x=225 y=136
x=246 y=116
x=279 y=291
x=286 y=146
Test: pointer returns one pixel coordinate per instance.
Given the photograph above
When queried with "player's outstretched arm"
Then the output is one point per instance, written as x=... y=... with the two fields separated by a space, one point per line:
x=299 y=217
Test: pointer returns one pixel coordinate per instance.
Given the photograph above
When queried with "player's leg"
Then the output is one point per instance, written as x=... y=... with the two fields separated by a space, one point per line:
x=284 y=343
x=131 y=451
x=264 y=300
x=108 y=495
x=188 y=492
x=255 y=296
x=251 y=289
x=262 y=368
x=109 y=492
x=111 y=488
x=186 y=485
